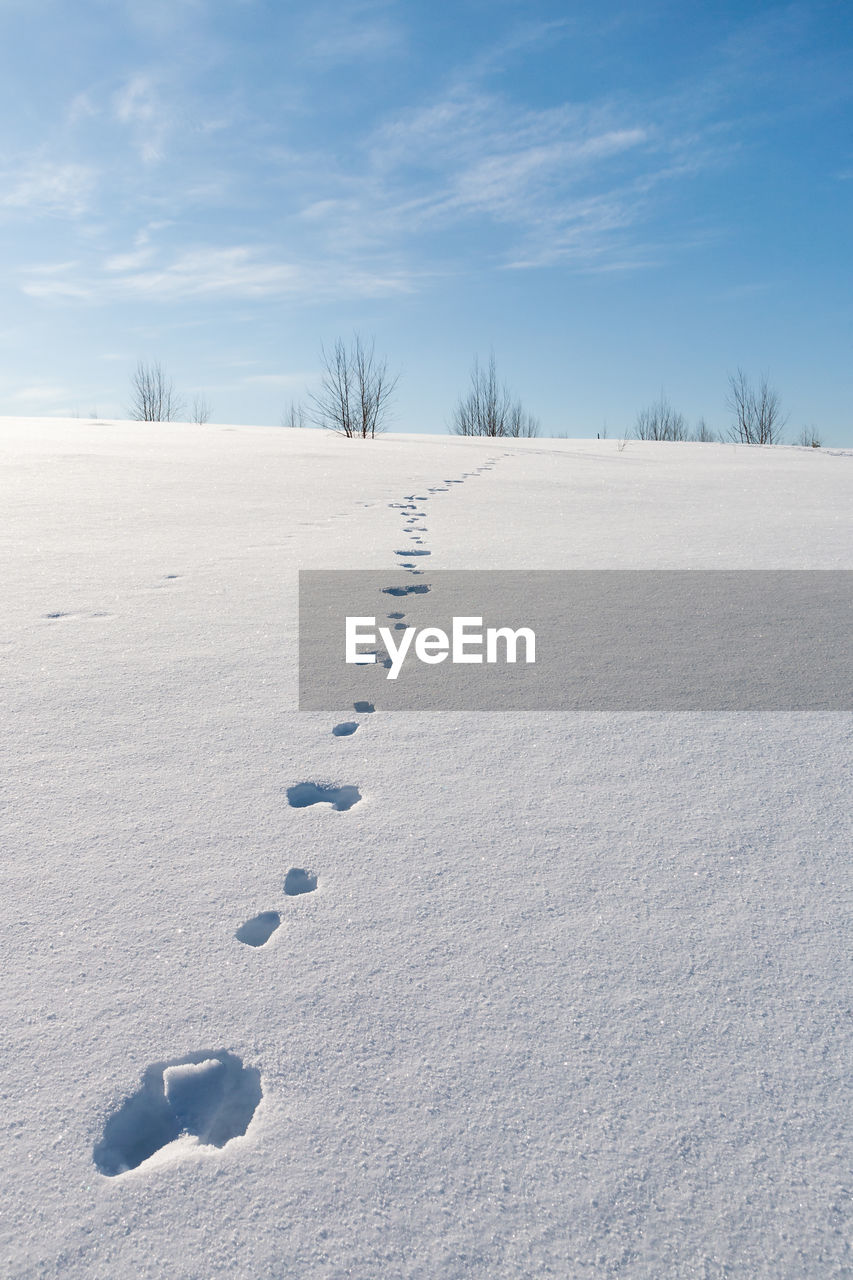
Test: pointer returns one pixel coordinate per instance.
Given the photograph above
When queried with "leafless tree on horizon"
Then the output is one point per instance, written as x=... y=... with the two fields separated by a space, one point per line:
x=810 y=438
x=153 y=397
x=757 y=411
x=488 y=409
x=356 y=390
x=703 y=434
x=660 y=422
x=201 y=410
x=294 y=415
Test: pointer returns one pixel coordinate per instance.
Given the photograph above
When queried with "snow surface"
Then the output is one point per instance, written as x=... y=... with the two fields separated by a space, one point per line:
x=570 y=995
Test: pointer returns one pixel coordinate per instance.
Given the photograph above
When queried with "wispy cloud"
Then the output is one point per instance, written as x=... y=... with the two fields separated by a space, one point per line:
x=80 y=108
x=238 y=272
x=338 y=34
x=39 y=395
x=45 y=186
x=139 y=105
x=476 y=159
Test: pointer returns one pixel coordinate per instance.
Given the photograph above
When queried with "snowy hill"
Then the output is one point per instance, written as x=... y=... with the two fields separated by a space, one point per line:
x=554 y=995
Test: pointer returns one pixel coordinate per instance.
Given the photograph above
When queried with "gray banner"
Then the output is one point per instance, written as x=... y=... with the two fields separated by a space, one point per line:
x=584 y=640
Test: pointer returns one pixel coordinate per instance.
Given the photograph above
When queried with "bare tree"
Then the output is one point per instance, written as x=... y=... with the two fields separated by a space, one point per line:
x=703 y=434
x=809 y=438
x=153 y=396
x=521 y=424
x=201 y=410
x=660 y=422
x=489 y=410
x=355 y=392
x=757 y=411
x=294 y=415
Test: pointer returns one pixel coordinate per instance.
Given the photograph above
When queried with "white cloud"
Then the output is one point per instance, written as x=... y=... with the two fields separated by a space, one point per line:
x=139 y=105
x=205 y=272
x=124 y=262
x=40 y=395
x=44 y=186
x=564 y=178
x=54 y=288
x=237 y=271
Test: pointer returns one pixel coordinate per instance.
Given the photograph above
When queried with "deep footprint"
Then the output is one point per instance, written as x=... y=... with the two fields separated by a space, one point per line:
x=208 y=1096
x=258 y=931
x=420 y=590
x=298 y=880
x=345 y=729
x=365 y=708
x=308 y=793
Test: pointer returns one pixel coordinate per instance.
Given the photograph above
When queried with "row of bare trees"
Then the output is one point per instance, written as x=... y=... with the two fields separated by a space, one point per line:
x=354 y=398
x=756 y=411
x=356 y=392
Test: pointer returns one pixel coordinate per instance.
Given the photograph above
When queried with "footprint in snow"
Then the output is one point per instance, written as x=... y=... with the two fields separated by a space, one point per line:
x=298 y=880
x=365 y=708
x=345 y=729
x=203 y=1100
x=305 y=794
x=57 y=614
x=258 y=931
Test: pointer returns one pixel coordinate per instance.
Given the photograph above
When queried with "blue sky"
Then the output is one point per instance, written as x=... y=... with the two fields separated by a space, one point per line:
x=615 y=198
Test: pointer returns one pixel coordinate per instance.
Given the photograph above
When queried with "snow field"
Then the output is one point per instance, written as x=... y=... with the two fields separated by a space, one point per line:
x=567 y=993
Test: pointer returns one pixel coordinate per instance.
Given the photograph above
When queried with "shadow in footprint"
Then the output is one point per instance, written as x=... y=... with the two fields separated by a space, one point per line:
x=365 y=708
x=410 y=552
x=258 y=931
x=208 y=1096
x=346 y=729
x=308 y=793
x=298 y=880
x=420 y=589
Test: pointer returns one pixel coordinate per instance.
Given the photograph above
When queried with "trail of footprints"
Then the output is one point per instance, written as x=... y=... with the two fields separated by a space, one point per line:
x=208 y=1098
